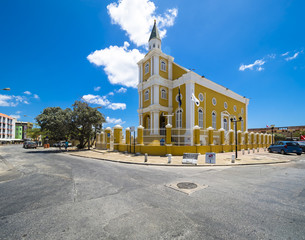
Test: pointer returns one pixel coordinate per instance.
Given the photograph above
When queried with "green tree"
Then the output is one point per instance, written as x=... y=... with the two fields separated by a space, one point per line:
x=34 y=133
x=56 y=122
x=85 y=120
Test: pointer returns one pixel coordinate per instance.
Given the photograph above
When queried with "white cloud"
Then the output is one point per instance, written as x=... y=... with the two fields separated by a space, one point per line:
x=136 y=17
x=11 y=101
x=293 y=57
x=96 y=99
x=120 y=64
x=257 y=64
x=96 y=89
x=285 y=54
x=27 y=93
x=121 y=90
x=116 y=106
x=36 y=96
x=114 y=120
x=103 y=101
x=111 y=94
x=15 y=116
x=18 y=112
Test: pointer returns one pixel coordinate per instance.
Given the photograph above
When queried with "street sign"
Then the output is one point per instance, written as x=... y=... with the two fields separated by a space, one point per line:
x=108 y=134
x=210 y=158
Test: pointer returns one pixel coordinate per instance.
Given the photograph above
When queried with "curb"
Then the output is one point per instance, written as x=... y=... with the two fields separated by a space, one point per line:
x=176 y=165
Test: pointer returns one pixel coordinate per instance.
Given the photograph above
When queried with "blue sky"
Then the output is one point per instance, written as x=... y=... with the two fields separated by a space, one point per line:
x=56 y=52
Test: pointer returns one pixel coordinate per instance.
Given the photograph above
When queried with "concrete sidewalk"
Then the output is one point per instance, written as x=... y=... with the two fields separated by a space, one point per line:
x=222 y=159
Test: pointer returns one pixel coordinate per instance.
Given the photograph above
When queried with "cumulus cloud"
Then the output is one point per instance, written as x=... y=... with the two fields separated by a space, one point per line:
x=111 y=94
x=116 y=106
x=257 y=65
x=96 y=89
x=121 y=90
x=120 y=64
x=36 y=96
x=11 y=100
x=27 y=93
x=293 y=57
x=103 y=101
x=96 y=99
x=114 y=120
x=136 y=17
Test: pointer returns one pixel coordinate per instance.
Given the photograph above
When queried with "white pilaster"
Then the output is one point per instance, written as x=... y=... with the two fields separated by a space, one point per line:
x=170 y=71
x=156 y=94
x=170 y=97
x=151 y=95
x=156 y=65
x=152 y=66
x=156 y=123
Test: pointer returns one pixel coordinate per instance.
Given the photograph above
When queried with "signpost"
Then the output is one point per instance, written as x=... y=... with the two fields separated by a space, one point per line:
x=210 y=158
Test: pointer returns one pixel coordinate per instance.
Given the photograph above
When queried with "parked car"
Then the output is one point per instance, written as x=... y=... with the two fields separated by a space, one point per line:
x=62 y=144
x=302 y=145
x=30 y=144
x=285 y=147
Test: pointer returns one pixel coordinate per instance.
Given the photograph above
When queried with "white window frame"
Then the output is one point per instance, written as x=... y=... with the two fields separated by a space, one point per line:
x=214 y=118
x=163 y=66
x=163 y=93
x=214 y=101
x=179 y=118
x=146 y=68
x=200 y=117
x=225 y=124
x=146 y=95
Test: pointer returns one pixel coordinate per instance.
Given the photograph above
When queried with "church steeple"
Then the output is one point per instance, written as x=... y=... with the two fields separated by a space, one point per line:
x=154 y=39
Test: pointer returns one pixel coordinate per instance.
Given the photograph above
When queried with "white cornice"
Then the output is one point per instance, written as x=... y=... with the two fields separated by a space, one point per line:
x=155 y=52
x=155 y=108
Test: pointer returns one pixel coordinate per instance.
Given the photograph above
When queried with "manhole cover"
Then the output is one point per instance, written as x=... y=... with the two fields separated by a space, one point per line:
x=186 y=185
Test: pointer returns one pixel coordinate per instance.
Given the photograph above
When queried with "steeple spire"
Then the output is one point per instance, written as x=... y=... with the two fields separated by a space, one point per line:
x=154 y=32
x=154 y=39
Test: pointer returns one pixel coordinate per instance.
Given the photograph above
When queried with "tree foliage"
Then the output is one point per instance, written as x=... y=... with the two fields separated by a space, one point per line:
x=80 y=123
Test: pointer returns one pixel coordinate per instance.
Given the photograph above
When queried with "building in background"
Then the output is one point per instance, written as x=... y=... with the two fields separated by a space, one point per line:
x=290 y=132
x=21 y=129
x=7 y=128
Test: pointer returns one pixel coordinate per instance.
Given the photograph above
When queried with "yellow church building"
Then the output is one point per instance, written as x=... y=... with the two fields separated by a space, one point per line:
x=160 y=79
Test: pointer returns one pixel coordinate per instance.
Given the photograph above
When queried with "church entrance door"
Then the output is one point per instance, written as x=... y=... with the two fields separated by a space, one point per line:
x=162 y=125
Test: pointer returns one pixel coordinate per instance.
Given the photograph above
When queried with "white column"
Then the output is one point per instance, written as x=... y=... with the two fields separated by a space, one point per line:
x=156 y=123
x=151 y=122
x=152 y=66
x=170 y=97
x=151 y=95
x=189 y=109
x=156 y=94
x=156 y=65
x=170 y=71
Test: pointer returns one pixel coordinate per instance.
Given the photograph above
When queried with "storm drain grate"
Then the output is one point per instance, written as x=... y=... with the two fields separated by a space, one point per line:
x=186 y=187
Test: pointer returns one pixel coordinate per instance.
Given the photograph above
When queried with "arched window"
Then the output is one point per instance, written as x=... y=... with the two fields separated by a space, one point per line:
x=225 y=124
x=200 y=118
x=146 y=95
x=163 y=66
x=214 y=120
x=163 y=94
x=179 y=119
x=146 y=68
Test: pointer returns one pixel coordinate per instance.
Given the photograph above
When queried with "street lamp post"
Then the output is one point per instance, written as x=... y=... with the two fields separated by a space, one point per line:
x=235 y=126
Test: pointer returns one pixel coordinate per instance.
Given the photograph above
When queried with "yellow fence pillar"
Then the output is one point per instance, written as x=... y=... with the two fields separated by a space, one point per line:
x=196 y=130
x=168 y=134
x=117 y=135
x=108 y=137
x=246 y=140
x=231 y=135
x=252 y=139
x=211 y=135
x=257 y=139
x=239 y=140
x=140 y=139
x=222 y=136
x=127 y=136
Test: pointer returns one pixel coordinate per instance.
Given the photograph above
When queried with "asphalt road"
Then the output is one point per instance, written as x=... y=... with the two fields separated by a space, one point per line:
x=51 y=195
